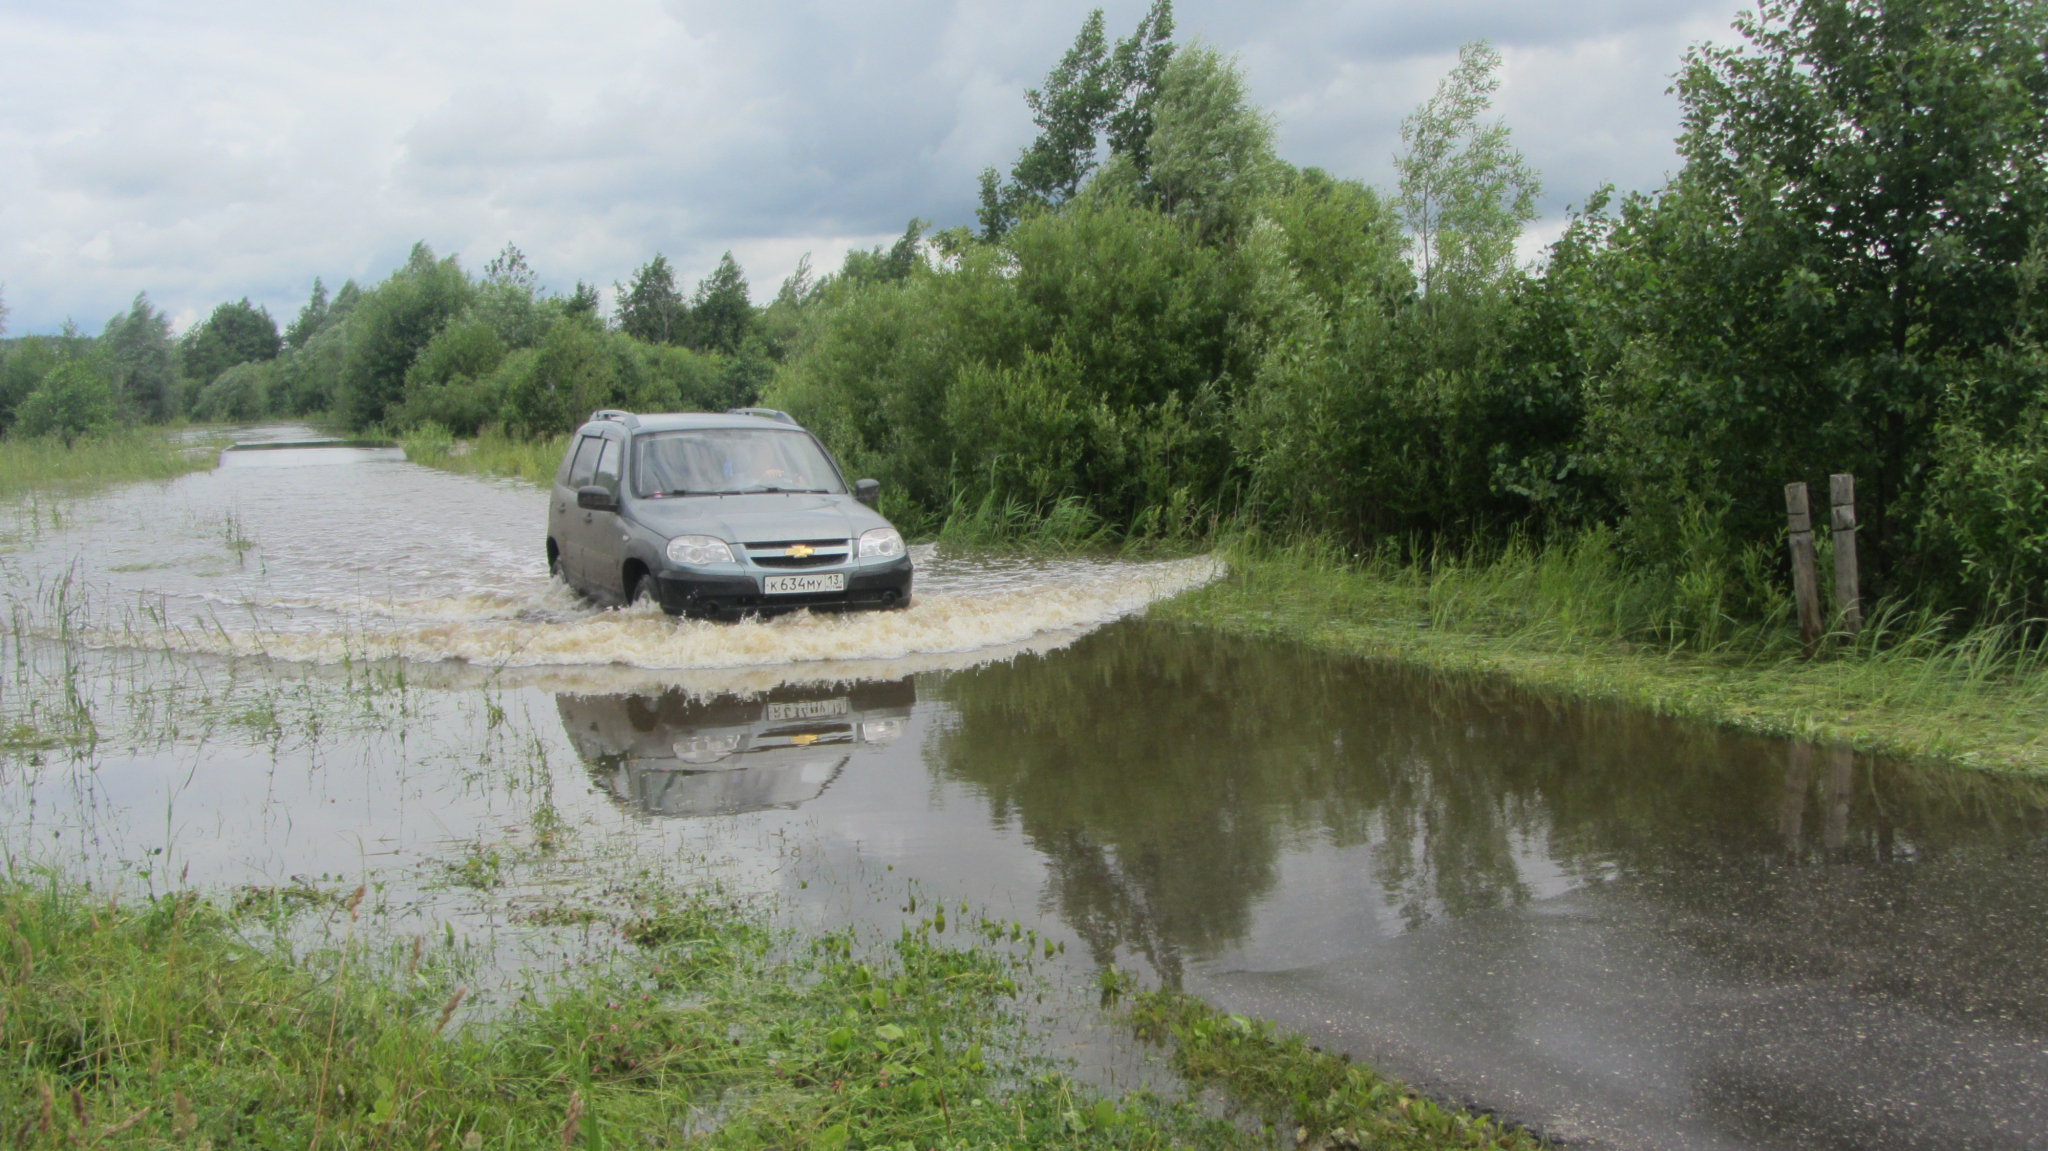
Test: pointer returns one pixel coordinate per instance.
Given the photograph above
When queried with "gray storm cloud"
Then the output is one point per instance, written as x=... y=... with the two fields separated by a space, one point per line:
x=208 y=151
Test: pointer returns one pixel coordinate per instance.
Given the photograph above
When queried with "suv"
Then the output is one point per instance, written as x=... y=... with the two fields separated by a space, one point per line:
x=719 y=516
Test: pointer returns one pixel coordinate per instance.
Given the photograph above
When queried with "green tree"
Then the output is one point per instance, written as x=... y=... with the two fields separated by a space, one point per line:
x=1212 y=151
x=1466 y=193
x=73 y=400
x=583 y=303
x=392 y=325
x=138 y=353
x=31 y=359
x=510 y=269
x=890 y=265
x=509 y=300
x=311 y=318
x=1137 y=70
x=1094 y=87
x=1843 y=251
x=238 y=332
x=308 y=380
x=650 y=308
x=721 y=313
x=238 y=395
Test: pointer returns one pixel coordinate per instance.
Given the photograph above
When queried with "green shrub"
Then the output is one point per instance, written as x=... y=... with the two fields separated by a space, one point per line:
x=238 y=395
x=73 y=400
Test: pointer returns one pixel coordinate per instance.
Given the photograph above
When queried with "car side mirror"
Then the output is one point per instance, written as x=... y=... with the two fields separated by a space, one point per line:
x=596 y=498
x=867 y=491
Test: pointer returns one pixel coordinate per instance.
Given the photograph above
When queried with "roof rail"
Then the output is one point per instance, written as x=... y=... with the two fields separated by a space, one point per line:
x=765 y=414
x=616 y=416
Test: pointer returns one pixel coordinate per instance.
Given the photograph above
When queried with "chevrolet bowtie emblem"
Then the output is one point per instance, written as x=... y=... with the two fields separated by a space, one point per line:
x=798 y=551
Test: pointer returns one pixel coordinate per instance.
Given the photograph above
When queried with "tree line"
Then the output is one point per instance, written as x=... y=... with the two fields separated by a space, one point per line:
x=1158 y=325
x=430 y=343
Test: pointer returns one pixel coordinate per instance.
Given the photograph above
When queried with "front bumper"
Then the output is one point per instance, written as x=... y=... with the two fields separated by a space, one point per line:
x=735 y=596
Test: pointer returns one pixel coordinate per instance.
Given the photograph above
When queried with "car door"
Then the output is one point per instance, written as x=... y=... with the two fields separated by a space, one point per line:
x=567 y=522
x=603 y=533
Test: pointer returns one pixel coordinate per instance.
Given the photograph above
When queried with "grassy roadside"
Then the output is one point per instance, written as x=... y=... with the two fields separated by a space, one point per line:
x=167 y=1022
x=116 y=457
x=1911 y=690
x=490 y=454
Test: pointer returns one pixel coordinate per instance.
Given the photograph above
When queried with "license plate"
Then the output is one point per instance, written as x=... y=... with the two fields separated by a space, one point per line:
x=798 y=584
x=807 y=709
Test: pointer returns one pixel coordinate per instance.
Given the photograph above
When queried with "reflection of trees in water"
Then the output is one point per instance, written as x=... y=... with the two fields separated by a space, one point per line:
x=1164 y=772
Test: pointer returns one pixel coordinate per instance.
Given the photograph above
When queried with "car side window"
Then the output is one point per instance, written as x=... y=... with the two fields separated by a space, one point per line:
x=585 y=462
x=608 y=466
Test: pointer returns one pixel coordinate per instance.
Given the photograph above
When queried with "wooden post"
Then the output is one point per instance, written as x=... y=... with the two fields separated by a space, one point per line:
x=1805 y=584
x=1848 y=597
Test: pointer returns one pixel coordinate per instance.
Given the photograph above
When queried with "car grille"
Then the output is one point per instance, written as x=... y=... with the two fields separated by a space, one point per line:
x=824 y=553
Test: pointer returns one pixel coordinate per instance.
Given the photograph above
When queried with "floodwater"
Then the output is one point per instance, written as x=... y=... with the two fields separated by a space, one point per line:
x=1626 y=931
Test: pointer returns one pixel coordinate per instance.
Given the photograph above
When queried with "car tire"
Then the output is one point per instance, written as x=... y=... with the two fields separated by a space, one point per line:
x=645 y=590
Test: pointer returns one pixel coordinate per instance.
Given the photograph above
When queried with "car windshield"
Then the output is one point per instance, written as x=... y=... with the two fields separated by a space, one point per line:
x=729 y=461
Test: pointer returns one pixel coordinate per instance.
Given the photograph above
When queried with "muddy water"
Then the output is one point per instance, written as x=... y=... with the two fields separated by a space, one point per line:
x=1625 y=930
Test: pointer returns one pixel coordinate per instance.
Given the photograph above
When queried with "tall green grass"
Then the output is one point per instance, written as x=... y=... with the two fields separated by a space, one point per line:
x=491 y=453
x=117 y=456
x=1574 y=615
x=171 y=1021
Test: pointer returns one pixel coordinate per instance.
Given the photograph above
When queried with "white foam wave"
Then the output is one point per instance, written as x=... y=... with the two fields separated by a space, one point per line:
x=493 y=631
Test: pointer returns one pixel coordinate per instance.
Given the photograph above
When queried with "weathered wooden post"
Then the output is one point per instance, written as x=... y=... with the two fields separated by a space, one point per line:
x=1805 y=584
x=1848 y=597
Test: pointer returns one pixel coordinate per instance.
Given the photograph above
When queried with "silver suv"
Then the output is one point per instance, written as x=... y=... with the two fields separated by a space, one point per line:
x=719 y=516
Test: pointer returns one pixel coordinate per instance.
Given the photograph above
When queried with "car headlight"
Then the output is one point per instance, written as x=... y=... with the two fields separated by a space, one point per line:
x=699 y=550
x=706 y=748
x=881 y=543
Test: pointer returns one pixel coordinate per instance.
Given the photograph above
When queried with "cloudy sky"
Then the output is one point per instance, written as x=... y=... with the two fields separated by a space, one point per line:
x=209 y=149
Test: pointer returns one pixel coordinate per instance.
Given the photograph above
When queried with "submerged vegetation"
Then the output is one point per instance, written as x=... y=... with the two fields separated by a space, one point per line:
x=169 y=1019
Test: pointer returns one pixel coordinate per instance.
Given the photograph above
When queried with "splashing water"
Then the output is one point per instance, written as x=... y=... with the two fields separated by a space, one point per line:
x=342 y=554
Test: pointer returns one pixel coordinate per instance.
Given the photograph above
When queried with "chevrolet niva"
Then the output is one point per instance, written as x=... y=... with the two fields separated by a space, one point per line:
x=719 y=517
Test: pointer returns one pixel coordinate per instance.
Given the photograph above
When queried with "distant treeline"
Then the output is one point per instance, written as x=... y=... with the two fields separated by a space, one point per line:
x=1160 y=326
x=429 y=343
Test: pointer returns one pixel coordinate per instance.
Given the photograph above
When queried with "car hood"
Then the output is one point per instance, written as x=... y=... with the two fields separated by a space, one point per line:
x=764 y=517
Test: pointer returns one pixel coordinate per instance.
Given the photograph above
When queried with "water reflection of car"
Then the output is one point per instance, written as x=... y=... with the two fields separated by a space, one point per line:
x=683 y=754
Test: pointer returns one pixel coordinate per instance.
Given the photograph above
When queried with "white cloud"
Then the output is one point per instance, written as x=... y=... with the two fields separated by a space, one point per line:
x=205 y=151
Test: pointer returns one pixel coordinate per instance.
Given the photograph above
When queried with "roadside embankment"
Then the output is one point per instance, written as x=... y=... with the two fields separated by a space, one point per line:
x=1917 y=693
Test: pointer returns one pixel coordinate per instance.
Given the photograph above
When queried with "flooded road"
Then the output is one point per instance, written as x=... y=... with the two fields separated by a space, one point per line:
x=1628 y=931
